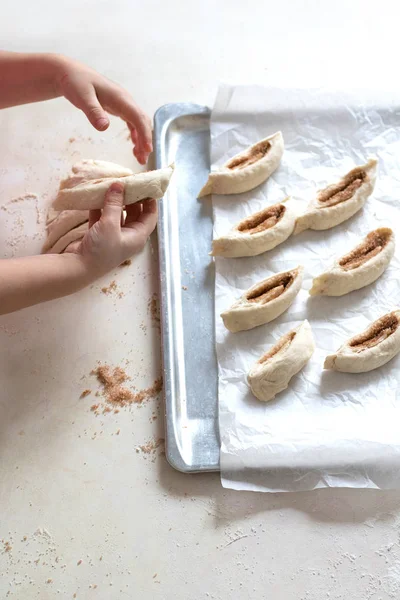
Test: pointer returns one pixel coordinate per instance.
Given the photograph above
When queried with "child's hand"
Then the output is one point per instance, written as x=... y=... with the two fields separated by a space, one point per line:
x=110 y=241
x=94 y=95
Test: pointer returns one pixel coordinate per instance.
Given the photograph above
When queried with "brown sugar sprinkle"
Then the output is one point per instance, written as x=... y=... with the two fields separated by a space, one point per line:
x=112 y=287
x=7 y=546
x=184 y=287
x=126 y=263
x=151 y=446
x=148 y=393
x=79 y=562
x=85 y=393
x=117 y=394
x=154 y=310
x=112 y=380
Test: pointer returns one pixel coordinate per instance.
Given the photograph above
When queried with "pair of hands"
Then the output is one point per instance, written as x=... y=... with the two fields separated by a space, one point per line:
x=111 y=238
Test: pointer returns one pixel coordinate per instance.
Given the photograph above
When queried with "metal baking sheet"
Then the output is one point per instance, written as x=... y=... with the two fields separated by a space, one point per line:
x=182 y=136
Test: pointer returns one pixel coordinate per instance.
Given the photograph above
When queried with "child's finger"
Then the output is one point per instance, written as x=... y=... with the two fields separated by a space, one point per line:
x=134 y=134
x=132 y=114
x=94 y=216
x=147 y=220
x=133 y=212
x=113 y=203
x=93 y=110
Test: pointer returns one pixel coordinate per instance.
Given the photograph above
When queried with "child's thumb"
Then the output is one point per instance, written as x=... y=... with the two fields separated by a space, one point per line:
x=114 y=202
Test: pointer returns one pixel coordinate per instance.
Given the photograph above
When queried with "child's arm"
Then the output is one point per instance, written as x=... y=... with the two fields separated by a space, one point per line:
x=26 y=78
x=28 y=281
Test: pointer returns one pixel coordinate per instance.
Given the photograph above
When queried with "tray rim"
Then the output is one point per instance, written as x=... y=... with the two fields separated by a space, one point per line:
x=163 y=118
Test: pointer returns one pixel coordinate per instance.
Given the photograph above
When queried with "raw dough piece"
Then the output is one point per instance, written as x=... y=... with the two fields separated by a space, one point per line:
x=360 y=267
x=258 y=233
x=67 y=239
x=88 y=169
x=89 y=194
x=247 y=169
x=264 y=301
x=371 y=349
x=340 y=201
x=273 y=371
x=58 y=226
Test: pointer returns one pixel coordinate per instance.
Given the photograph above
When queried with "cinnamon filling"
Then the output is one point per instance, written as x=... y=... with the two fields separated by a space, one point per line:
x=373 y=244
x=253 y=155
x=265 y=219
x=344 y=190
x=377 y=333
x=281 y=346
x=272 y=288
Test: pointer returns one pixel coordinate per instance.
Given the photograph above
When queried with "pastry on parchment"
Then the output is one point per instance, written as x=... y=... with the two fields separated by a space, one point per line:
x=360 y=267
x=264 y=301
x=258 y=233
x=273 y=371
x=81 y=192
x=340 y=201
x=247 y=169
x=371 y=349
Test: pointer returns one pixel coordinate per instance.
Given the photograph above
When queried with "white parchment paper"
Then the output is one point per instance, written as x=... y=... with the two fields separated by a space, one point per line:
x=327 y=429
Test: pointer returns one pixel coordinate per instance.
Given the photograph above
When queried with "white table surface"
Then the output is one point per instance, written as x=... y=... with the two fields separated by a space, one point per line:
x=66 y=497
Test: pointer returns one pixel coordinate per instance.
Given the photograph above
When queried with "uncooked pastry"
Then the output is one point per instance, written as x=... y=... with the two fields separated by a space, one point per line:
x=264 y=302
x=88 y=194
x=371 y=349
x=247 y=169
x=67 y=239
x=360 y=267
x=88 y=169
x=273 y=371
x=258 y=233
x=61 y=224
x=340 y=201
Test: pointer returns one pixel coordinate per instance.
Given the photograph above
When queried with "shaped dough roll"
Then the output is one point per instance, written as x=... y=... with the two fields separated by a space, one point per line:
x=264 y=302
x=273 y=371
x=64 y=222
x=88 y=169
x=369 y=350
x=67 y=239
x=247 y=169
x=360 y=267
x=340 y=201
x=261 y=232
x=89 y=195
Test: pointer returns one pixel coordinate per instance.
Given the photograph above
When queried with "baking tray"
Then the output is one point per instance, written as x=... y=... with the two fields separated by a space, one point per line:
x=182 y=136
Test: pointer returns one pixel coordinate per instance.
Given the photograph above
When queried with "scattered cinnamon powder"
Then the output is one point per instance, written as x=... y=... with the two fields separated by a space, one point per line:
x=116 y=393
x=112 y=287
x=126 y=263
x=148 y=393
x=151 y=446
x=113 y=380
x=150 y=449
x=154 y=310
x=7 y=546
x=85 y=393
x=184 y=287
x=79 y=562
